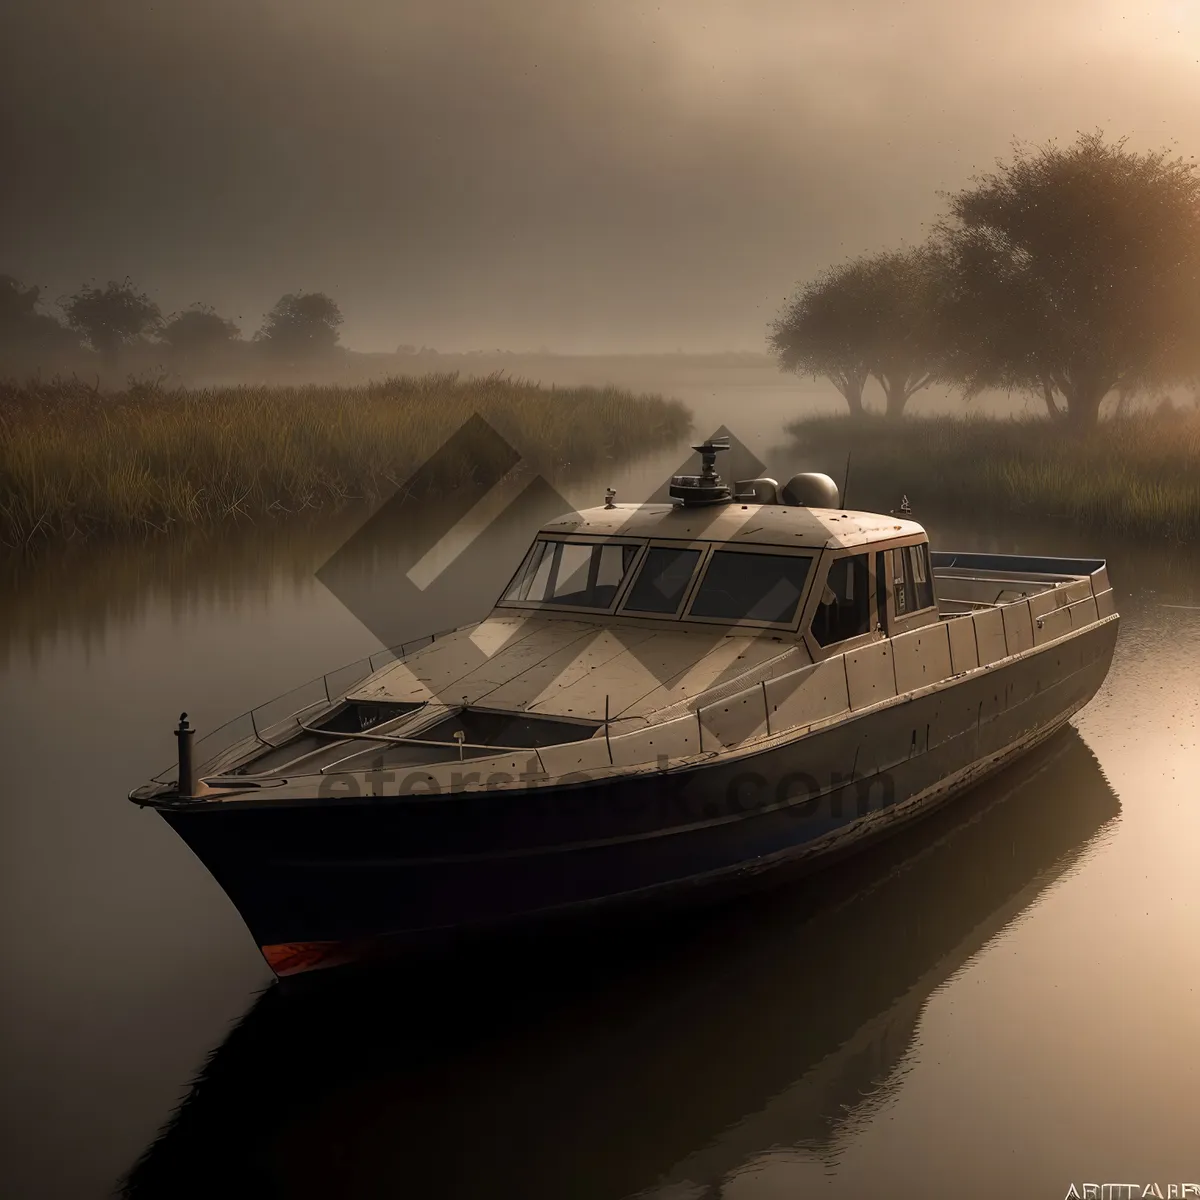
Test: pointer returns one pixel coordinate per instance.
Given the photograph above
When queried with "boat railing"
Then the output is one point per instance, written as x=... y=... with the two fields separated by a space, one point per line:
x=1009 y=564
x=275 y=720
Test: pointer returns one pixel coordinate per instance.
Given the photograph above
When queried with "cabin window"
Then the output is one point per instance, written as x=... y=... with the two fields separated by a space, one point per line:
x=662 y=580
x=922 y=575
x=752 y=587
x=845 y=608
x=571 y=574
x=912 y=579
x=881 y=585
x=902 y=582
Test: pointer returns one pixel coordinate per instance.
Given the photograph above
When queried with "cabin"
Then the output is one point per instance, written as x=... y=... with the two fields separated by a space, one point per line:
x=828 y=580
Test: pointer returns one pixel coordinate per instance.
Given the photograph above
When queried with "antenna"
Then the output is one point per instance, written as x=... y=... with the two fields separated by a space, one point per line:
x=846 y=481
x=707 y=487
x=708 y=456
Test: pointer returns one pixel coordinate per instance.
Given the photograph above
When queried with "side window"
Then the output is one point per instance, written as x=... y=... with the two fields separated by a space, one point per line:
x=881 y=578
x=912 y=580
x=922 y=576
x=902 y=582
x=845 y=608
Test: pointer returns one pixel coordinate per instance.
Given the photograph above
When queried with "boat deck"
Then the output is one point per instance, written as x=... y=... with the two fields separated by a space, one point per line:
x=589 y=698
x=970 y=582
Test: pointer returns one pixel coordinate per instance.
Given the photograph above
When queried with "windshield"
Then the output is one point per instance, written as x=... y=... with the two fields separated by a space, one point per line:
x=751 y=587
x=665 y=574
x=571 y=574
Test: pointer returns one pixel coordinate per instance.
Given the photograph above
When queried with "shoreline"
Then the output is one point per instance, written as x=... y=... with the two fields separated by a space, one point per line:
x=1138 y=476
x=77 y=465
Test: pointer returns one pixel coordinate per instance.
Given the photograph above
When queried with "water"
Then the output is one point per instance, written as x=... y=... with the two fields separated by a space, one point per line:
x=999 y=1003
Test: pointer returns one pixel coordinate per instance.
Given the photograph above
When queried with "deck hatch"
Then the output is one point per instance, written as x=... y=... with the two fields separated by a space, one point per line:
x=358 y=716
x=484 y=728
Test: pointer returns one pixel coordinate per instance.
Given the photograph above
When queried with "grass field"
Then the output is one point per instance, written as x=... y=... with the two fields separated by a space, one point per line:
x=75 y=463
x=1135 y=476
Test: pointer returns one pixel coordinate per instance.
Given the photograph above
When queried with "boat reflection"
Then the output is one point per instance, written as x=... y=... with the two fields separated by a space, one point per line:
x=655 y=1063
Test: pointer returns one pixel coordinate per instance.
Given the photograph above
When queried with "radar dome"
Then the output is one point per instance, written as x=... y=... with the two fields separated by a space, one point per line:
x=810 y=489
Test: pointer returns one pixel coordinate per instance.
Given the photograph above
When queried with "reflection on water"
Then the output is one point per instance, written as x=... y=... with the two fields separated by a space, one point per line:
x=94 y=587
x=676 y=1055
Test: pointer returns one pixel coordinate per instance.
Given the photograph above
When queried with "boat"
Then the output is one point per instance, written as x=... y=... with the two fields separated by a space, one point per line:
x=668 y=704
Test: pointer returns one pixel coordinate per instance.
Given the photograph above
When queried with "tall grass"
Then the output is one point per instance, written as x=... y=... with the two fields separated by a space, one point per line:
x=76 y=463
x=1138 y=475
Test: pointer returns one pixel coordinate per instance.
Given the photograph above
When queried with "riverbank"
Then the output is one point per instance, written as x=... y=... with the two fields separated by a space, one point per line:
x=1138 y=476
x=75 y=463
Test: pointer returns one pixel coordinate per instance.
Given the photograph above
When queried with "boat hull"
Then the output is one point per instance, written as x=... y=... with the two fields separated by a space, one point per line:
x=326 y=884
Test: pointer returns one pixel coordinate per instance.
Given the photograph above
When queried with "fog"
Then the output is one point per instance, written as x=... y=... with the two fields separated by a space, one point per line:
x=589 y=177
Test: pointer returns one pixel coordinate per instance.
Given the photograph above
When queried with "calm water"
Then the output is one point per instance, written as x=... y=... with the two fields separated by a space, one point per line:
x=999 y=1003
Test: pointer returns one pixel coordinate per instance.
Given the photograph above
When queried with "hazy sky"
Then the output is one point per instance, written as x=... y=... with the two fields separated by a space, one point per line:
x=586 y=176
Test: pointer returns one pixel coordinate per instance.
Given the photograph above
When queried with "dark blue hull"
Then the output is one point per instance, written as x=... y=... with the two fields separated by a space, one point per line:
x=323 y=883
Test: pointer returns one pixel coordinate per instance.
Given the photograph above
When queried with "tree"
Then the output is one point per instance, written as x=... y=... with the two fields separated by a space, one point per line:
x=24 y=331
x=819 y=332
x=301 y=325
x=873 y=316
x=17 y=302
x=111 y=317
x=905 y=338
x=198 y=334
x=1073 y=272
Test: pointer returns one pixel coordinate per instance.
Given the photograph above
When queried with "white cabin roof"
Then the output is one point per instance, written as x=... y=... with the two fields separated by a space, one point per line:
x=765 y=524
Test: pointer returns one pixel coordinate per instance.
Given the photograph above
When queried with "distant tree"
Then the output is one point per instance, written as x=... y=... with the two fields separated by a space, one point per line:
x=301 y=325
x=111 y=317
x=819 y=333
x=17 y=302
x=24 y=331
x=906 y=346
x=1073 y=272
x=198 y=334
x=874 y=316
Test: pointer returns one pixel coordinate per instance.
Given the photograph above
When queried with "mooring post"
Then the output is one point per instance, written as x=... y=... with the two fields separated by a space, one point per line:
x=187 y=780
